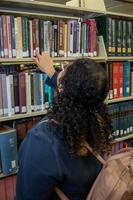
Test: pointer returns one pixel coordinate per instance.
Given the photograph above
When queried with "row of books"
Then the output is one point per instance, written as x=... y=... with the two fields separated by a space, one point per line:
x=122 y=118
x=22 y=127
x=8 y=188
x=117 y=34
x=20 y=36
x=23 y=92
x=120 y=75
x=10 y=139
x=116 y=147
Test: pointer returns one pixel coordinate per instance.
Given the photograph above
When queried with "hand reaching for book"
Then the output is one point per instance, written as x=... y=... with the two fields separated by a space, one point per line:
x=45 y=63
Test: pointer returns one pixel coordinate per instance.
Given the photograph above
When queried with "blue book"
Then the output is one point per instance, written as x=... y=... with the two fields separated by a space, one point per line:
x=126 y=79
x=8 y=150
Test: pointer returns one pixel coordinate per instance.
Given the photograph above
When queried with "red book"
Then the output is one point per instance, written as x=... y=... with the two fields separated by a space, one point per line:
x=22 y=92
x=93 y=38
x=21 y=131
x=9 y=188
x=2 y=190
x=29 y=124
x=120 y=80
x=115 y=79
x=14 y=185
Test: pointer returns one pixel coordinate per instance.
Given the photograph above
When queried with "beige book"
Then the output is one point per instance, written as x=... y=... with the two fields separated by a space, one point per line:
x=97 y=5
x=20 y=45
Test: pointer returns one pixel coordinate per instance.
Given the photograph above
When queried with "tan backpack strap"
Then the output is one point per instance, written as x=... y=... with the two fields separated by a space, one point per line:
x=95 y=154
x=61 y=194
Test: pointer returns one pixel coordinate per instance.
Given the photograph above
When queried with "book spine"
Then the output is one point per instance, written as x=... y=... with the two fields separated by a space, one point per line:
x=16 y=92
x=4 y=95
x=9 y=104
x=2 y=190
x=9 y=188
x=8 y=144
x=129 y=37
x=124 y=38
x=126 y=79
x=120 y=92
x=12 y=94
x=22 y=92
x=115 y=79
x=5 y=41
x=1 y=38
x=13 y=41
x=113 y=37
x=9 y=37
x=20 y=46
x=119 y=38
x=1 y=99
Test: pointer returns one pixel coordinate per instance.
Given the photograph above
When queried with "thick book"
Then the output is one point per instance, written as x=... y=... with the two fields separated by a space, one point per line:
x=2 y=190
x=22 y=92
x=118 y=37
x=115 y=66
x=8 y=149
x=126 y=79
x=104 y=25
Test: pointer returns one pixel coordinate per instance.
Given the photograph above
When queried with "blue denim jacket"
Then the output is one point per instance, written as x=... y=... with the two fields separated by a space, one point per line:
x=45 y=162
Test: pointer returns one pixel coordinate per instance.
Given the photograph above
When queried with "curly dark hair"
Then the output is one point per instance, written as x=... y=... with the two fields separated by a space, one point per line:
x=79 y=108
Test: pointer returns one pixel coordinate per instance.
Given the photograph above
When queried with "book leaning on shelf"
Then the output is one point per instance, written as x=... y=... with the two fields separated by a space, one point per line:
x=20 y=36
x=8 y=150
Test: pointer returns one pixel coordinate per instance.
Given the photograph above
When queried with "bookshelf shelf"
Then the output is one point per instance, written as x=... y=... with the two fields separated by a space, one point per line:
x=4 y=176
x=119 y=100
x=130 y=136
x=119 y=14
x=29 y=60
x=23 y=116
x=35 y=6
x=121 y=58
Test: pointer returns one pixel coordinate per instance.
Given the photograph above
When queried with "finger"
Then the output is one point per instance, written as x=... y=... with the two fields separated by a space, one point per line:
x=37 y=53
x=45 y=53
x=36 y=60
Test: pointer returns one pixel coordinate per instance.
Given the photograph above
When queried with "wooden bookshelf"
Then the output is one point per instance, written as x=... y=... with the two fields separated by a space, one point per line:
x=49 y=8
x=55 y=59
x=119 y=100
x=120 y=58
x=118 y=14
x=130 y=136
x=4 y=176
x=23 y=116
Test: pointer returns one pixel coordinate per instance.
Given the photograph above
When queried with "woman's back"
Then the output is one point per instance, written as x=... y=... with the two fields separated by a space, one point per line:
x=50 y=164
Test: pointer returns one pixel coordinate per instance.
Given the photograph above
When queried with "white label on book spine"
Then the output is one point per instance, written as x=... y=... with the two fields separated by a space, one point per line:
x=6 y=52
x=13 y=163
x=32 y=107
x=125 y=132
x=13 y=111
x=115 y=91
x=16 y=109
x=121 y=90
x=2 y=54
x=127 y=89
x=14 y=53
x=128 y=130
x=1 y=111
x=121 y=132
x=95 y=53
x=10 y=54
x=131 y=128
x=23 y=109
x=5 y=111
